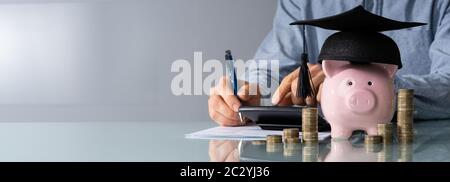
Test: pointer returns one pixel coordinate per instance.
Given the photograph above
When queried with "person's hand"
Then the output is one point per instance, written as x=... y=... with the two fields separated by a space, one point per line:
x=223 y=106
x=223 y=151
x=286 y=93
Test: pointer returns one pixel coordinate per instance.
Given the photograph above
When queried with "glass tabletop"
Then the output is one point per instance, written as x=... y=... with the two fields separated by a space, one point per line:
x=164 y=141
x=431 y=144
x=155 y=141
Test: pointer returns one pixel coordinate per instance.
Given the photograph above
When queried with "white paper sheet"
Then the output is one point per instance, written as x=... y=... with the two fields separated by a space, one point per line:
x=240 y=133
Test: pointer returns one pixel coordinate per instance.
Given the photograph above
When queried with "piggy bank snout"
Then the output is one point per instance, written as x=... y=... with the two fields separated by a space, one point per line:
x=361 y=101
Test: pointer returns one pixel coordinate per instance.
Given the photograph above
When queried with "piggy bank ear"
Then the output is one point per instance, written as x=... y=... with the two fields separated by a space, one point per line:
x=331 y=68
x=389 y=68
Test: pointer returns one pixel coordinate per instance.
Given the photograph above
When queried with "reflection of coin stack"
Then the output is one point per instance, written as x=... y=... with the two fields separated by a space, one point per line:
x=274 y=143
x=310 y=133
x=310 y=152
x=291 y=135
x=405 y=109
x=385 y=131
x=372 y=143
x=405 y=152
x=385 y=155
x=290 y=149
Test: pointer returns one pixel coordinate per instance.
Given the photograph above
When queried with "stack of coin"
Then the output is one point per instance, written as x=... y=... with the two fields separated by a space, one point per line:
x=373 y=139
x=274 y=143
x=310 y=132
x=372 y=143
x=385 y=131
x=405 y=110
x=310 y=152
x=291 y=135
x=270 y=139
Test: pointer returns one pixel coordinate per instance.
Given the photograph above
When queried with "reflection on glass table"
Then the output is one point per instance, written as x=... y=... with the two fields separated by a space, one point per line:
x=333 y=151
x=431 y=144
x=224 y=151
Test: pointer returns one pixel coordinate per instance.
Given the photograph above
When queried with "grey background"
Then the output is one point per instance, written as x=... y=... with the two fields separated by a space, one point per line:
x=110 y=60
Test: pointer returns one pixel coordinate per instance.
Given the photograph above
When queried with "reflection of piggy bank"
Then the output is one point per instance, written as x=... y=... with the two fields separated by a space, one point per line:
x=357 y=96
x=343 y=151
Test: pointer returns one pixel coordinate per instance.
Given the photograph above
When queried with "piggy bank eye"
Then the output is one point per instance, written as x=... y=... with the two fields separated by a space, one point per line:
x=349 y=83
x=370 y=83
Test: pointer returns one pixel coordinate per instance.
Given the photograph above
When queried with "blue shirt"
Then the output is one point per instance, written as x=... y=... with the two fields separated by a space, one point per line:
x=425 y=50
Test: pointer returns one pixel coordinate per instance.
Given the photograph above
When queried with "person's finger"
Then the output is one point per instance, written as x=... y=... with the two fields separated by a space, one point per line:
x=226 y=149
x=233 y=156
x=220 y=106
x=284 y=88
x=314 y=68
x=294 y=97
x=220 y=113
x=248 y=92
x=287 y=100
x=319 y=93
x=227 y=112
x=214 y=146
x=297 y=100
x=227 y=94
x=310 y=101
x=224 y=121
x=317 y=80
x=286 y=85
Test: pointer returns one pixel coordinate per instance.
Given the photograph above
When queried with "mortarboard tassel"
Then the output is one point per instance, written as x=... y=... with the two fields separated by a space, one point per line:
x=305 y=84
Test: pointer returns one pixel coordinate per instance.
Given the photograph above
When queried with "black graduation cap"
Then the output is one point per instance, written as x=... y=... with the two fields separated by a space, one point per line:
x=358 y=40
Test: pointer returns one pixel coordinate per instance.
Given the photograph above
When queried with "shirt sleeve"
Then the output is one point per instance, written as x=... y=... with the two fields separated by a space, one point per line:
x=282 y=45
x=432 y=91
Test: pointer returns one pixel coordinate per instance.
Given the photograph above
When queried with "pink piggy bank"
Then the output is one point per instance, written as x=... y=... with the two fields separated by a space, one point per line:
x=357 y=96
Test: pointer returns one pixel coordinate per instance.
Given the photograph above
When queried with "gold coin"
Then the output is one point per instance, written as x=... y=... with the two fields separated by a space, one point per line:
x=291 y=133
x=274 y=139
x=385 y=130
x=372 y=139
x=291 y=140
x=405 y=92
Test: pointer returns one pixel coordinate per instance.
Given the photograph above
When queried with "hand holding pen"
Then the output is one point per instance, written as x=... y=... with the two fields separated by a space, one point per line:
x=225 y=99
